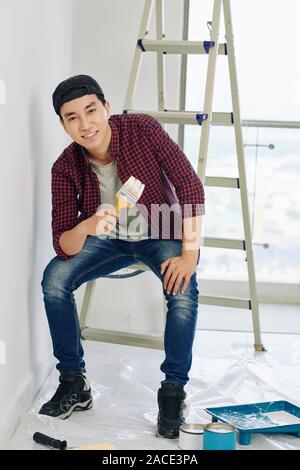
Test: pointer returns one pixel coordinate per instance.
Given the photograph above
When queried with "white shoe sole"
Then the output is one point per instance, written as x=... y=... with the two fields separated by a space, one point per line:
x=85 y=405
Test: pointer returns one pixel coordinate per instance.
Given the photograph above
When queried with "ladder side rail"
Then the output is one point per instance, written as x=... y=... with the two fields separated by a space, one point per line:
x=242 y=171
x=136 y=65
x=209 y=88
x=160 y=56
x=183 y=70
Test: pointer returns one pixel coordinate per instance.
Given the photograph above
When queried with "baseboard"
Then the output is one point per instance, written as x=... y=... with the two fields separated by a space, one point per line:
x=21 y=402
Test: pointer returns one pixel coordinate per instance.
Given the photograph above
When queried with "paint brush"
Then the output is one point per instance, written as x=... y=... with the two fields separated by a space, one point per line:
x=129 y=194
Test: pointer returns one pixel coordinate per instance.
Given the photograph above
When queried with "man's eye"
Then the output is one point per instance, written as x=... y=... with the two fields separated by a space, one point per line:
x=71 y=119
x=92 y=110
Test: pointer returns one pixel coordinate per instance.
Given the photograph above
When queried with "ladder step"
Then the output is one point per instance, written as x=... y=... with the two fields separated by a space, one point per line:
x=222 y=119
x=222 y=182
x=119 y=337
x=173 y=117
x=225 y=302
x=217 y=118
x=229 y=243
x=180 y=47
x=186 y=117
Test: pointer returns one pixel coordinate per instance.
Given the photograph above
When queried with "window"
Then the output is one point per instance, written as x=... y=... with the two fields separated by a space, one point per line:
x=269 y=86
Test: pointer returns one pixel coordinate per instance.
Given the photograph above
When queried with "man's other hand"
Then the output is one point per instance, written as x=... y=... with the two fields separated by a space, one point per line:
x=176 y=269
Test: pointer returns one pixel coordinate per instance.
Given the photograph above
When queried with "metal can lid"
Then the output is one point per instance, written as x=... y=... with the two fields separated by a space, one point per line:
x=221 y=428
x=192 y=428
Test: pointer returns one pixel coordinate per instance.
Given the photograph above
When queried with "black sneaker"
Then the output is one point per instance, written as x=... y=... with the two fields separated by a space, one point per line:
x=171 y=404
x=73 y=394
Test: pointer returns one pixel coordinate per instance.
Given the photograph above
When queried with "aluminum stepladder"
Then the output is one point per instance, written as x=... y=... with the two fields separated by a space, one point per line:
x=205 y=118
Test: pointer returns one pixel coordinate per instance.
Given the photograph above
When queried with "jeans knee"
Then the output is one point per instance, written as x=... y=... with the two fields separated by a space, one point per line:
x=184 y=301
x=185 y=306
x=191 y=294
x=54 y=278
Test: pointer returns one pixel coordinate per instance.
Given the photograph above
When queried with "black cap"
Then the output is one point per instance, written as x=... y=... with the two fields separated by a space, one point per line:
x=74 y=87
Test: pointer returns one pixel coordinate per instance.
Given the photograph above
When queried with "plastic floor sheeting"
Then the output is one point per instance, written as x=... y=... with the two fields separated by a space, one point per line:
x=226 y=371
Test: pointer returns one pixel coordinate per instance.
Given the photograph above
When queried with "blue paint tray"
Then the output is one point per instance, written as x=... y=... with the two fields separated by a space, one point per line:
x=268 y=417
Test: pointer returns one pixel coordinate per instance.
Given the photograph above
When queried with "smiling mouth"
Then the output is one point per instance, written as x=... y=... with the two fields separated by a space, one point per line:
x=90 y=135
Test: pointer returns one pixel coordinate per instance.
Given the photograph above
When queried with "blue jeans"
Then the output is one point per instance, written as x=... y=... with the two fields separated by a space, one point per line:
x=102 y=256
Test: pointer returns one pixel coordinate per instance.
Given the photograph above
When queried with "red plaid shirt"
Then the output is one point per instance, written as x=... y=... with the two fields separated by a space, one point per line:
x=141 y=148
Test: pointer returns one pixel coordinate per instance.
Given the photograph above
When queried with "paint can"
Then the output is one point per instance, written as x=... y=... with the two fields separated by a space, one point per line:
x=191 y=436
x=219 y=436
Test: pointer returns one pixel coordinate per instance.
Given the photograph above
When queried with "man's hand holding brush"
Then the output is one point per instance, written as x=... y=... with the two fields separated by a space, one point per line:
x=101 y=223
x=104 y=220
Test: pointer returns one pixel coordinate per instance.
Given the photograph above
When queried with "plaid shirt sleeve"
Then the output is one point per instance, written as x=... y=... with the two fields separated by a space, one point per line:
x=179 y=170
x=64 y=207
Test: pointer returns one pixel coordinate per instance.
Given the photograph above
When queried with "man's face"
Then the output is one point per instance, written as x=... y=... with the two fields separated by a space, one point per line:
x=85 y=119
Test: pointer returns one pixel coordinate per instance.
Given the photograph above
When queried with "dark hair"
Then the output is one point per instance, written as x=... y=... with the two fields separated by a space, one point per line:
x=100 y=98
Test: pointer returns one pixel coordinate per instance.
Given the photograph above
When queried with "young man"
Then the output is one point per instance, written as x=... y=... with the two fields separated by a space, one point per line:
x=105 y=151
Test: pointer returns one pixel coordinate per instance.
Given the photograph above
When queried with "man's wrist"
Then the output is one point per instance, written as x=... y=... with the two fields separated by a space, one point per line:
x=82 y=228
x=191 y=254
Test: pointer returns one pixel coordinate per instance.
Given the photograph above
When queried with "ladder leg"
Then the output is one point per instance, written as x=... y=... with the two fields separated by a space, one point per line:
x=183 y=70
x=160 y=56
x=165 y=309
x=208 y=97
x=209 y=88
x=138 y=55
x=242 y=174
x=88 y=294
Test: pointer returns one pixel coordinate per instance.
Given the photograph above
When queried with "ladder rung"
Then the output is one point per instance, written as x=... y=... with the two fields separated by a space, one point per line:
x=174 y=117
x=222 y=182
x=222 y=119
x=120 y=337
x=180 y=47
x=225 y=302
x=186 y=117
x=217 y=118
x=229 y=243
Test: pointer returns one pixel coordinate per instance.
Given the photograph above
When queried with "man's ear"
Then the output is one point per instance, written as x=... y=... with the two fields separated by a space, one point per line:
x=107 y=107
x=63 y=124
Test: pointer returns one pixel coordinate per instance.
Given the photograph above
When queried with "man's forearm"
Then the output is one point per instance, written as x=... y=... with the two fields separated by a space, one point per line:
x=191 y=236
x=72 y=240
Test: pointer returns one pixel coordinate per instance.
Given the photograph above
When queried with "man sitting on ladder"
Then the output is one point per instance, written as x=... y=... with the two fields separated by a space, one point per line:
x=104 y=153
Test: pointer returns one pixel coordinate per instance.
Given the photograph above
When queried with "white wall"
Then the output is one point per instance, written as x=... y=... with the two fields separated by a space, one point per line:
x=106 y=46
x=42 y=43
x=37 y=50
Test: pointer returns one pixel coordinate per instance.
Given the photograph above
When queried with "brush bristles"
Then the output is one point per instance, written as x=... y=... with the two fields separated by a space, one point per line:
x=132 y=190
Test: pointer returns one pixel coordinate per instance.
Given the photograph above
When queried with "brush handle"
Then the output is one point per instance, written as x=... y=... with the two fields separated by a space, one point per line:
x=49 y=441
x=121 y=204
